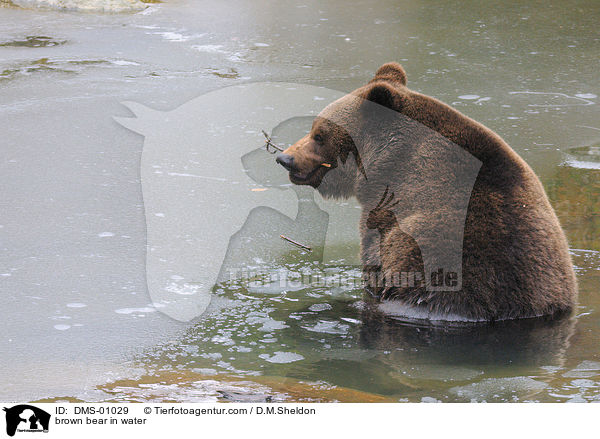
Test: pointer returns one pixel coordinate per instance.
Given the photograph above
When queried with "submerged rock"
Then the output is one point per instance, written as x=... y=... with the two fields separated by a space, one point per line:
x=188 y=386
x=111 y=6
x=499 y=389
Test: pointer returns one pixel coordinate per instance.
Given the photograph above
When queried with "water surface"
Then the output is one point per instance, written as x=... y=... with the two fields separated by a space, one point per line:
x=77 y=321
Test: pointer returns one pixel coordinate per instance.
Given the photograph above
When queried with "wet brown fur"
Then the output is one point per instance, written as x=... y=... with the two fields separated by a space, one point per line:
x=515 y=262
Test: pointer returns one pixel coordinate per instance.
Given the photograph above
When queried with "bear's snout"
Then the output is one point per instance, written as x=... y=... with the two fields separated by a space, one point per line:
x=287 y=161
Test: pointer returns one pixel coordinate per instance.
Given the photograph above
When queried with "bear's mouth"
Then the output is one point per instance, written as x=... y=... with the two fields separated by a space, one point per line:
x=311 y=178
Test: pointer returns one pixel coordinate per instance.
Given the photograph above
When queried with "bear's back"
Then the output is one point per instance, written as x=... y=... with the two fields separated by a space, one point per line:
x=516 y=261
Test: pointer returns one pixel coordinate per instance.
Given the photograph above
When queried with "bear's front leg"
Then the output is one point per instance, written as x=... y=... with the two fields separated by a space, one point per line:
x=371 y=262
x=392 y=265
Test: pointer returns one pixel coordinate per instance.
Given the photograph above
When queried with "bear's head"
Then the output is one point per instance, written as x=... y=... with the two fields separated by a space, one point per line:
x=328 y=158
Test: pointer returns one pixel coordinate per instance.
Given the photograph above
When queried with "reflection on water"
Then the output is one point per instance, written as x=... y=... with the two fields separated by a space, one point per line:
x=327 y=335
x=73 y=237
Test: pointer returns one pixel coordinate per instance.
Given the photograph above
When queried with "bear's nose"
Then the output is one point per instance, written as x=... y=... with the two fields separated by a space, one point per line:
x=286 y=160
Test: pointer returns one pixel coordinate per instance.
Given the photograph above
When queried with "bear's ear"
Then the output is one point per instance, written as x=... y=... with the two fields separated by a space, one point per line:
x=383 y=94
x=392 y=72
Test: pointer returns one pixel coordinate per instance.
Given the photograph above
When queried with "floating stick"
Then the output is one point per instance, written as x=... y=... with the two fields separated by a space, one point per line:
x=305 y=247
x=269 y=143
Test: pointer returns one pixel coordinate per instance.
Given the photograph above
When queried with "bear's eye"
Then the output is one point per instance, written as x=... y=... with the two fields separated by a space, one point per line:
x=318 y=138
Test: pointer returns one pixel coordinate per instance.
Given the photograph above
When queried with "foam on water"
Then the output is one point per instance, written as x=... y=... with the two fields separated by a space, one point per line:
x=121 y=62
x=209 y=48
x=62 y=327
x=319 y=307
x=145 y=309
x=76 y=305
x=328 y=327
x=282 y=357
x=582 y=164
x=268 y=324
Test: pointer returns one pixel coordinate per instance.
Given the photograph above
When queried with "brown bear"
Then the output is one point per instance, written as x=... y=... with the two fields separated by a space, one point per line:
x=454 y=224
